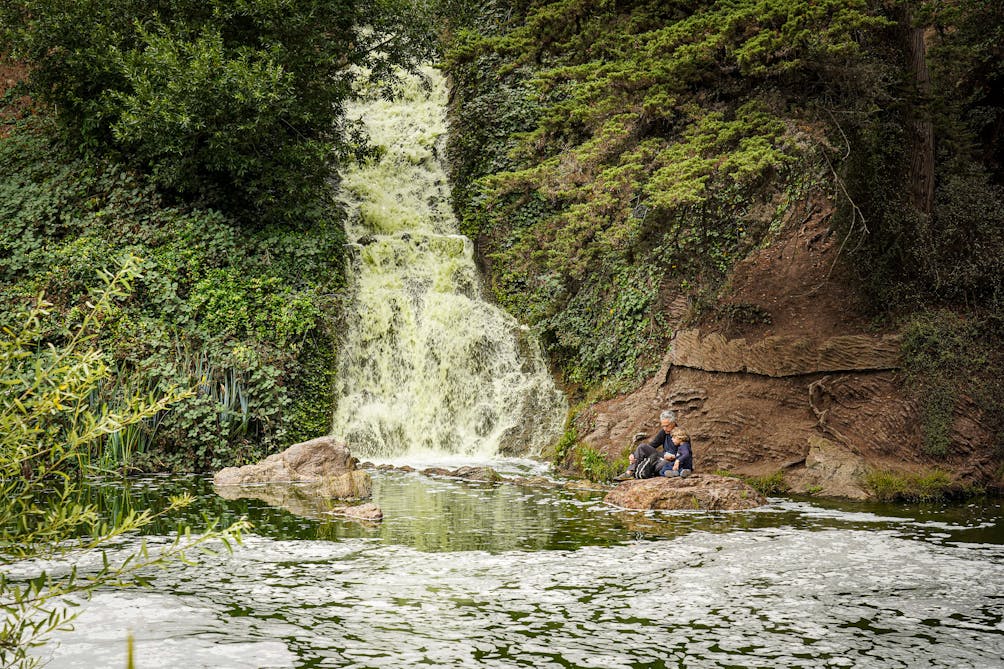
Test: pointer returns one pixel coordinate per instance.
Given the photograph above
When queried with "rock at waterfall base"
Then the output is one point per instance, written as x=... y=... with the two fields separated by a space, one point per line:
x=469 y=473
x=699 y=491
x=324 y=465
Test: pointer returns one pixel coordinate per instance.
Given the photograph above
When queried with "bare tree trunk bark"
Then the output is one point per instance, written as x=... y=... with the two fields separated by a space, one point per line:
x=921 y=127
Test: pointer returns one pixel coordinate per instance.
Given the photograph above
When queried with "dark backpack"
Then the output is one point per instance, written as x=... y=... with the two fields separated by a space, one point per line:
x=649 y=467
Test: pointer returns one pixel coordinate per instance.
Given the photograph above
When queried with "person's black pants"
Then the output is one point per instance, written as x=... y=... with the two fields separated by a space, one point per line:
x=643 y=451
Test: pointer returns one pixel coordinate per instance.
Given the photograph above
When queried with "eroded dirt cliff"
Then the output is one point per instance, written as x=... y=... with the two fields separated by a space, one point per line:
x=811 y=389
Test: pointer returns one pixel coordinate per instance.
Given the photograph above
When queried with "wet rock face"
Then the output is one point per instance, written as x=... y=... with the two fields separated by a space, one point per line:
x=698 y=491
x=822 y=430
x=812 y=392
x=322 y=467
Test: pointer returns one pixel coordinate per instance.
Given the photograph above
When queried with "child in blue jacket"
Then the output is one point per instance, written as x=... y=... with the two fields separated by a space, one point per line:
x=682 y=461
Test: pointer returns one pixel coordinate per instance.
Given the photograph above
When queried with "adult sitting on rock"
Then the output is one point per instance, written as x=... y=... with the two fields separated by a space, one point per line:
x=662 y=441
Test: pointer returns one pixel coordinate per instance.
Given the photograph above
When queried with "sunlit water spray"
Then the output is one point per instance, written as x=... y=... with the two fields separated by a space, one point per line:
x=427 y=365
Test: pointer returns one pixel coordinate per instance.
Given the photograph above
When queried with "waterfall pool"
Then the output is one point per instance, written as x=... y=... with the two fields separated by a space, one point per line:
x=463 y=574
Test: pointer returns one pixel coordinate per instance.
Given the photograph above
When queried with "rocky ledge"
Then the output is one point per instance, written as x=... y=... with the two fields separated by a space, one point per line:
x=321 y=467
x=699 y=491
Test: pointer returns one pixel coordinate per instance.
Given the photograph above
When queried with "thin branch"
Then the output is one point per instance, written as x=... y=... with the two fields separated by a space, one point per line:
x=856 y=214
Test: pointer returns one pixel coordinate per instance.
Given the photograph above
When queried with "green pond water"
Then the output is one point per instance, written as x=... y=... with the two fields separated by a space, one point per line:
x=463 y=574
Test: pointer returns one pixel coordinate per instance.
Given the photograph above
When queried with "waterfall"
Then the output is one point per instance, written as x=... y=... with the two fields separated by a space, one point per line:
x=427 y=366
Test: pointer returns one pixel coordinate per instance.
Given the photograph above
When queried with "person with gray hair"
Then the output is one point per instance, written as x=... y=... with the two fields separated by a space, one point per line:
x=661 y=441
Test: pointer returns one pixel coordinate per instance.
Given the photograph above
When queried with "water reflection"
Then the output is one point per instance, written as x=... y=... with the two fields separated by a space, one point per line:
x=474 y=575
x=441 y=514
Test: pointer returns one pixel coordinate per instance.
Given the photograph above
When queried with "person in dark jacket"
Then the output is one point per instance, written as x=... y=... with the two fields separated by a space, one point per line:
x=682 y=461
x=661 y=441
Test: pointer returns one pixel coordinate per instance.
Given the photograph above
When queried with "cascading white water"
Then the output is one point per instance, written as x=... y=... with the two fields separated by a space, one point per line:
x=427 y=366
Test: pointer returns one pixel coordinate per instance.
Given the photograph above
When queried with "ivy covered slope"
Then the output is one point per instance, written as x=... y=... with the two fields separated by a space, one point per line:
x=612 y=157
x=641 y=137
x=199 y=136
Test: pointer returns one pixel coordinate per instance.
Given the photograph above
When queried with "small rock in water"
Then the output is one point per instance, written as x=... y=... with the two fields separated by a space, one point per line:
x=477 y=474
x=535 y=482
x=368 y=511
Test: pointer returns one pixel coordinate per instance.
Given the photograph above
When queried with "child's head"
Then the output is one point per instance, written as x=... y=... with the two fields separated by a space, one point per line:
x=679 y=435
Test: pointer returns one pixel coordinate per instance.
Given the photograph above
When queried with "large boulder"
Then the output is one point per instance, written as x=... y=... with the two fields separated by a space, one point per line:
x=324 y=465
x=698 y=491
x=307 y=461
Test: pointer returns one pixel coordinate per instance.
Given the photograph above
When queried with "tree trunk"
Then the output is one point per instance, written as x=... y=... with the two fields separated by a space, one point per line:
x=921 y=127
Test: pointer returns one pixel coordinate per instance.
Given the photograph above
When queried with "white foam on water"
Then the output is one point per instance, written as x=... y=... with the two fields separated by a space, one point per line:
x=462 y=575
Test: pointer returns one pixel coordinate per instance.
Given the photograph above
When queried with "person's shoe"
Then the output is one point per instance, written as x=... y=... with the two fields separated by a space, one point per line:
x=684 y=473
x=624 y=476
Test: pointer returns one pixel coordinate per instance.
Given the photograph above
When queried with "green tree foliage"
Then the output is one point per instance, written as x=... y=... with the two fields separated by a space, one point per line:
x=49 y=433
x=967 y=66
x=236 y=102
x=610 y=157
x=954 y=252
x=642 y=135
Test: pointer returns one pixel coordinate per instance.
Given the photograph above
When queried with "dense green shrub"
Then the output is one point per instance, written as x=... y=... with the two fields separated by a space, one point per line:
x=908 y=258
x=949 y=358
x=238 y=316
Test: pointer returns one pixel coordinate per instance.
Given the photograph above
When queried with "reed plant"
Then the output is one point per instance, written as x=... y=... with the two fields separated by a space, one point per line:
x=115 y=451
x=225 y=386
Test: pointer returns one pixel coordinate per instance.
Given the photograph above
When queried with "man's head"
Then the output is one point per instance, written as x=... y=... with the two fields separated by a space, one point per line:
x=668 y=420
